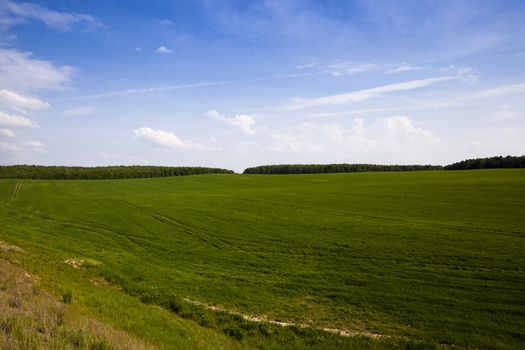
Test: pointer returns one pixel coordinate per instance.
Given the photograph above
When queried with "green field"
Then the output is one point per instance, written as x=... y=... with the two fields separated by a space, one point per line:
x=420 y=258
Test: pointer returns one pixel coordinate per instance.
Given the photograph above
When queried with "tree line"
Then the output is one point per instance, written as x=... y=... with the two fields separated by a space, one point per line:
x=478 y=163
x=139 y=171
x=100 y=172
x=488 y=163
x=334 y=168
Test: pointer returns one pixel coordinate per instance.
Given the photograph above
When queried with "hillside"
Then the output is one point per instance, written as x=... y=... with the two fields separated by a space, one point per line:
x=362 y=260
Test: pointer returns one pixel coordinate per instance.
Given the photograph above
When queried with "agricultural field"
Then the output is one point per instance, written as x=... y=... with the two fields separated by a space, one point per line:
x=430 y=259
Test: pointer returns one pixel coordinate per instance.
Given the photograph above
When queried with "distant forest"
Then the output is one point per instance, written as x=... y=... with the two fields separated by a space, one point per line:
x=334 y=168
x=102 y=172
x=479 y=163
x=488 y=163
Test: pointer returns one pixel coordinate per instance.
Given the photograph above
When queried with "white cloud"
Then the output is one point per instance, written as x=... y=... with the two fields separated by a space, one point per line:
x=13 y=100
x=12 y=13
x=240 y=121
x=399 y=129
x=16 y=121
x=164 y=50
x=392 y=139
x=138 y=49
x=7 y=133
x=361 y=95
x=165 y=139
x=20 y=72
x=80 y=111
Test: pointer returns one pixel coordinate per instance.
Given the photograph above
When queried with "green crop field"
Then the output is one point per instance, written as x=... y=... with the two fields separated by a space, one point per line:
x=410 y=259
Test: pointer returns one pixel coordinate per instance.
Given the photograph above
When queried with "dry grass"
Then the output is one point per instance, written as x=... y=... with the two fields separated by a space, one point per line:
x=31 y=318
x=5 y=247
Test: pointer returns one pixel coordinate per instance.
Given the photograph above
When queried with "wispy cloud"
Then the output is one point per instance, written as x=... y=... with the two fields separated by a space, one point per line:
x=361 y=95
x=501 y=90
x=368 y=111
x=150 y=90
x=12 y=13
x=341 y=68
x=164 y=22
x=270 y=19
x=196 y=85
x=240 y=121
x=80 y=111
x=306 y=65
x=164 y=50
x=348 y=68
x=402 y=68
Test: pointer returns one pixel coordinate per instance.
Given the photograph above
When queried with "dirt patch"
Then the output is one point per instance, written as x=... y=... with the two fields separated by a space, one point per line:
x=99 y=282
x=77 y=263
x=5 y=247
x=265 y=319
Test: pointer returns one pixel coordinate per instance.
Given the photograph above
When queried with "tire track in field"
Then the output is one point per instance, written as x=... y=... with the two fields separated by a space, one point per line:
x=188 y=229
x=417 y=223
x=138 y=241
x=16 y=190
x=100 y=229
x=173 y=223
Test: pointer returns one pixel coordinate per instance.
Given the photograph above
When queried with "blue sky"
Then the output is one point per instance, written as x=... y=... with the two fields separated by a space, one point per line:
x=242 y=83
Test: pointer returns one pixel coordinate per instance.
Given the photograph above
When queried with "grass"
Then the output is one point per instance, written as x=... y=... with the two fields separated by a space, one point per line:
x=31 y=318
x=423 y=258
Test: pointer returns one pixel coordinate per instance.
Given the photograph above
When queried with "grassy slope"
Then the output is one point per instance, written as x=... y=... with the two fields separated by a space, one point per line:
x=436 y=256
x=31 y=318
